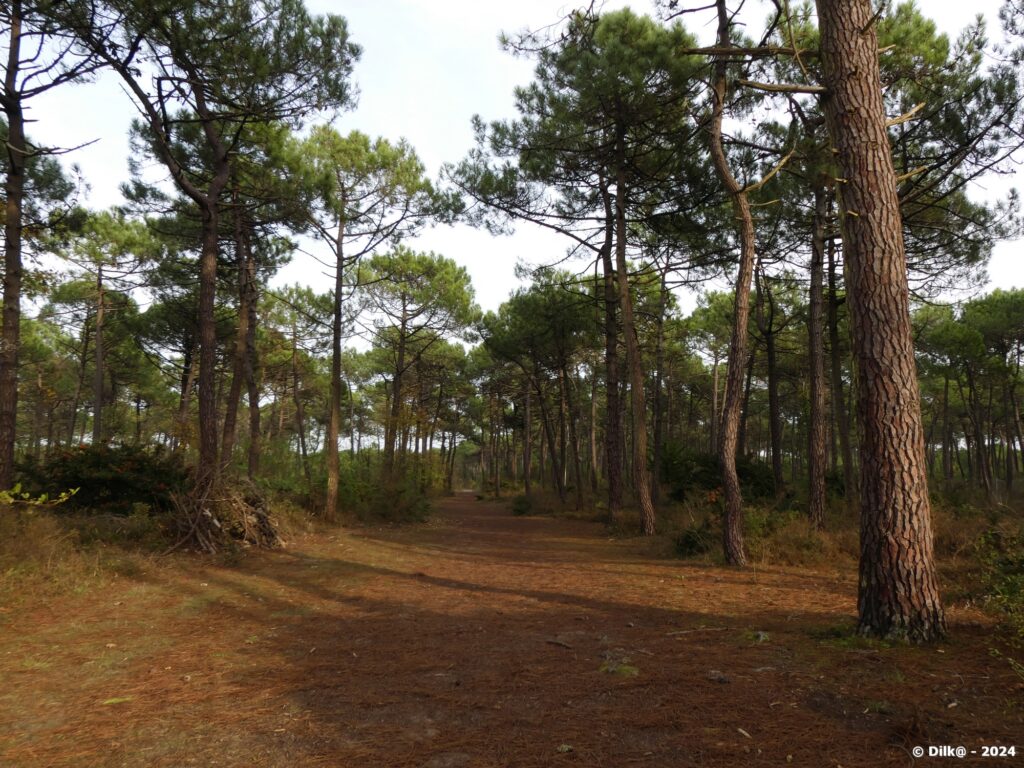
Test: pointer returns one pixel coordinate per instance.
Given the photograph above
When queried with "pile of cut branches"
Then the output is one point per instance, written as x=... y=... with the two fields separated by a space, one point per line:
x=223 y=517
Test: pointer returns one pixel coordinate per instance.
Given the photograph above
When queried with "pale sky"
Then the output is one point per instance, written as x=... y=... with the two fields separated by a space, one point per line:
x=426 y=69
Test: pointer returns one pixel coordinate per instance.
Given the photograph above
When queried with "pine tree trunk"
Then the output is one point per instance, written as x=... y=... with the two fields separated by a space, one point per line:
x=14 y=192
x=613 y=433
x=732 y=519
x=334 y=407
x=527 y=440
x=252 y=387
x=638 y=404
x=238 y=364
x=97 y=376
x=898 y=594
x=818 y=433
x=839 y=408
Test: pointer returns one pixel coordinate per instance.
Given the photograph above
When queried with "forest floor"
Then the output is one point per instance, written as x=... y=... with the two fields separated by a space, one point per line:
x=483 y=639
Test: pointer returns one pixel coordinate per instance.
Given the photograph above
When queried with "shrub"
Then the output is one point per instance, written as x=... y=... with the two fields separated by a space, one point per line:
x=686 y=471
x=1001 y=555
x=110 y=479
x=696 y=539
x=522 y=505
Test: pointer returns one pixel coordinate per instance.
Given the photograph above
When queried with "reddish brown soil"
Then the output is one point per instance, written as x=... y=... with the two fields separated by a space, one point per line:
x=484 y=639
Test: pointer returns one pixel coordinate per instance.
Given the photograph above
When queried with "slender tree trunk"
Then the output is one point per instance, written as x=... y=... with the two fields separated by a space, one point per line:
x=238 y=363
x=334 y=416
x=98 y=372
x=527 y=439
x=549 y=433
x=613 y=433
x=14 y=192
x=394 y=418
x=251 y=361
x=300 y=411
x=658 y=427
x=839 y=408
x=573 y=438
x=79 y=382
x=732 y=520
x=898 y=595
x=638 y=404
x=715 y=417
x=818 y=433
x=593 y=432
x=766 y=324
x=741 y=440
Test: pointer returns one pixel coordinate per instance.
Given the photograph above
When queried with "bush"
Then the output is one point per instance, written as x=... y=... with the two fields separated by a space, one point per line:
x=522 y=505
x=696 y=539
x=686 y=472
x=1001 y=555
x=110 y=479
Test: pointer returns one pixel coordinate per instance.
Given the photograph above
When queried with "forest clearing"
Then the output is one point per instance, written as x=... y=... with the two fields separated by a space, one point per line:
x=484 y=639
x=470 y=384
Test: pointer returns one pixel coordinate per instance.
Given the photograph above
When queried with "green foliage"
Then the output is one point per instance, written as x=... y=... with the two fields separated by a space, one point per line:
x=111 y=479
x=686 y=471
x=1001 y=555
x=522 y=505
x=696 y=539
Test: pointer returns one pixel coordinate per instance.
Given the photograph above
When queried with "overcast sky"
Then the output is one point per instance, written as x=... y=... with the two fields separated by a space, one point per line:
x=426 y=69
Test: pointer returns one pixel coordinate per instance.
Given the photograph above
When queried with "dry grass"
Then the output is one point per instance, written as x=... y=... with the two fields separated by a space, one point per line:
x=483 y=639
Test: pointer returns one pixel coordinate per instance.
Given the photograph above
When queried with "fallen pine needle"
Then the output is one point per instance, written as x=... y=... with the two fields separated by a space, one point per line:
x=699 y=629
x=559 y=643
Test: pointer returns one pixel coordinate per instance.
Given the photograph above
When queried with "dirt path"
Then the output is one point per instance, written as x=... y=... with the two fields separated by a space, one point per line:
x=482 y=639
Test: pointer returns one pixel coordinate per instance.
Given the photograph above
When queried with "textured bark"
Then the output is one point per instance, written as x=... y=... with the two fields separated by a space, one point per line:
x=14 y=191
x=97 y=374
x=766 y=325
x=334 y=407
x=251 y=361
x=238 y=363
x=574 y=443
x=208 y=469
x=658 y=427
x=732 y=517
x=839 y=409
x=613 y=433
x=527 y=440
x=898 y=594
x=818 y=433
x=300 y=411
x=638 y=404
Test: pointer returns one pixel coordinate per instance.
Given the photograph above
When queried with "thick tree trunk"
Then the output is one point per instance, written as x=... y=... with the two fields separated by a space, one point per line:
x=14 y=191
x=732 y=519
x=898 y=594
x=818 y=433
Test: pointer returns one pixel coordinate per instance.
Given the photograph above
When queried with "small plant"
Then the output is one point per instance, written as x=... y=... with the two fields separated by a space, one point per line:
x=1001 y=555
x=522 y=505
x=696 y=540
